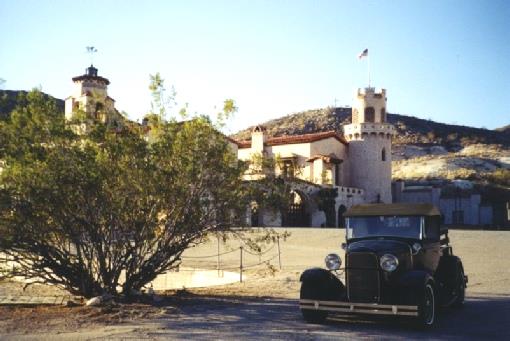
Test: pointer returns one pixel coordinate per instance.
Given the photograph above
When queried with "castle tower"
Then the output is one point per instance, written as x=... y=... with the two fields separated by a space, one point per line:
x=91 y=96
x=369 y=137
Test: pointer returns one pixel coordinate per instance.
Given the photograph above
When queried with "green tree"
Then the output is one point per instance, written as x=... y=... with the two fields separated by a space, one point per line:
x=107 y=211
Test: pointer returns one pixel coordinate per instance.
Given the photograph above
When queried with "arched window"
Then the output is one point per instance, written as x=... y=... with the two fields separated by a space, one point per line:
x=254 y=214
x=369 y=114
x=383 y=115
x=383 y=154
x=341 y=218
x=99 y=110
x=259 y=129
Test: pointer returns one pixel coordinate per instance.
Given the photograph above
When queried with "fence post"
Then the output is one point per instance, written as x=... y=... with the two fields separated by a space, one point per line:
x=218 y=260
x=279 y=253
x=241 y=265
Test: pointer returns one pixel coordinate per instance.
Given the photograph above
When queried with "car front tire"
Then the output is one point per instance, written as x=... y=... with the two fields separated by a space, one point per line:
x=427 y=307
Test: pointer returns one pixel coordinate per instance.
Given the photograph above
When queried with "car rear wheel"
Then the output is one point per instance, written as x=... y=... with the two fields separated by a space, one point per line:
x=311 y=291
x=460 y=291
x=427 y=307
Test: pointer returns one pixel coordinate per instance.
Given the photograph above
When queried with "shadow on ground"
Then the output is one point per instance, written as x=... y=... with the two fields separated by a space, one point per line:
x=217 y=317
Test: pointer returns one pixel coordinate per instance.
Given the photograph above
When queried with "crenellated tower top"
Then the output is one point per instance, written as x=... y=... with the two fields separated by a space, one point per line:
x=369 y=106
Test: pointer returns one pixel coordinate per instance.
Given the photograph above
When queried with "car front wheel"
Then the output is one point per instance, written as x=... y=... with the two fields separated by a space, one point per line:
x=427 y=307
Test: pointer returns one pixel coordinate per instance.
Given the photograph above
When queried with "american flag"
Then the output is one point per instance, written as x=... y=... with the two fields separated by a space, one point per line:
x=363 y=54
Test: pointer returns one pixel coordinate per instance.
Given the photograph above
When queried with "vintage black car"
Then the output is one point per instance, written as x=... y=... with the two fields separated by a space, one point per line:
x=398 y=261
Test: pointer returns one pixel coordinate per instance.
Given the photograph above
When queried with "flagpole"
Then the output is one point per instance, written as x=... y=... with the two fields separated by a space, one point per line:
x=368 y=67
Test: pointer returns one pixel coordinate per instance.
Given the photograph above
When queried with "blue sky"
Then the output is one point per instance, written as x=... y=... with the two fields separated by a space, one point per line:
x=442 y=60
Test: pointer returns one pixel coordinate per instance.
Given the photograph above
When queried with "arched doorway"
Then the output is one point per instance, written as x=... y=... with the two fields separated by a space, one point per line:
x=341 y=218
x=296 y=215
x=254 y=214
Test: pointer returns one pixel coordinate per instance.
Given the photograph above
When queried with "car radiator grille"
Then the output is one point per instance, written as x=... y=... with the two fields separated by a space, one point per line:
x=362 y=275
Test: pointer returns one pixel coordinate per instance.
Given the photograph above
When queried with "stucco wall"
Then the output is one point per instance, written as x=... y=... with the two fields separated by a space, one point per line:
x=470 y=206
x=367 y=170
x=327 y=147
x=486 y=215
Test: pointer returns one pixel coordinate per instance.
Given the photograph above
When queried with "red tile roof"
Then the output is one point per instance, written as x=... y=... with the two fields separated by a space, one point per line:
x=293 y=139
x=95 y=78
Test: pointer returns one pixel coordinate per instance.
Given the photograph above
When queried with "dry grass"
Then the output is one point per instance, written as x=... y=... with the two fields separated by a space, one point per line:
x=484 y=254
x=59 y=318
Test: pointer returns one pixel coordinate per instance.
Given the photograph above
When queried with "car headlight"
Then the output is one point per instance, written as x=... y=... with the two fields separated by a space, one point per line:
x=333 y=261
x=388 y=262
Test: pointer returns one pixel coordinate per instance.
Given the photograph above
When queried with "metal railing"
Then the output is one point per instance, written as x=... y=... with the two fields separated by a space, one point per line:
x=245 y=260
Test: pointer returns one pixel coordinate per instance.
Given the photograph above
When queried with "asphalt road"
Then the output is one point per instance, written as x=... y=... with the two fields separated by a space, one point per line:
x=279 y=319
x=217 y=318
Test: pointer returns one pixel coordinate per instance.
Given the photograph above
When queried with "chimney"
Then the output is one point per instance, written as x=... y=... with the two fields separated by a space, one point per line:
x=258 y=138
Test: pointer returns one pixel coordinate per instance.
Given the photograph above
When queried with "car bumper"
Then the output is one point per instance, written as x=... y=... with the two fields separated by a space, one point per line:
x=359 y=308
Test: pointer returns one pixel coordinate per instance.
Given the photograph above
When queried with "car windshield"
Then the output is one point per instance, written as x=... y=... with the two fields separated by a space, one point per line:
x=384 y=226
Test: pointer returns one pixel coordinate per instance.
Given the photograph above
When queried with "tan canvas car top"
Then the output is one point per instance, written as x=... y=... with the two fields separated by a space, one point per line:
x=392 y=210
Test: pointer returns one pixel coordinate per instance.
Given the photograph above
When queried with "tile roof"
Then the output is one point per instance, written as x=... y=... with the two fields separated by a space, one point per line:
x=94 y=78
x=293 y=139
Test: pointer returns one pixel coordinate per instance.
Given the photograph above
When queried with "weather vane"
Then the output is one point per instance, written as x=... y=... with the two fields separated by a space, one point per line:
x=91 y=50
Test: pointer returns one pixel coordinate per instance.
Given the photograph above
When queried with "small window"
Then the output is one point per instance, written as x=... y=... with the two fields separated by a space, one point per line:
x=369 y=114
x=383 y=115
x=383 y=154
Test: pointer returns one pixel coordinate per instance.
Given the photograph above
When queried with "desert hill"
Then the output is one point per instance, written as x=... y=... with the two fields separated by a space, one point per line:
x=10 y=98
x=422 y=150
x=410 y=130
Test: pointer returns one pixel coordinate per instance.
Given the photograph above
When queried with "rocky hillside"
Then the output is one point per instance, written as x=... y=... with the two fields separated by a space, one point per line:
x=422 y=149
x=9 y=100
x=473 y=162
x=411 y=130
x=505 y=129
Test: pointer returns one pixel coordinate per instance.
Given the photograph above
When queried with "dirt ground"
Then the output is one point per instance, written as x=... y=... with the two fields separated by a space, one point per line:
x=264 y=305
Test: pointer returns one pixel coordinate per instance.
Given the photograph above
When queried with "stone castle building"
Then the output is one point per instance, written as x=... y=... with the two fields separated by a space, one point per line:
x=351 y=166
x=355 y=163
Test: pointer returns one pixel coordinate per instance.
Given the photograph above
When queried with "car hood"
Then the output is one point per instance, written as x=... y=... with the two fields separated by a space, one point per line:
x=380 y=247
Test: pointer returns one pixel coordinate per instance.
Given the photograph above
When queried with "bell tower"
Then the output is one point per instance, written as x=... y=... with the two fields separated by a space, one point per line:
x=90 y=95
x=369 y=136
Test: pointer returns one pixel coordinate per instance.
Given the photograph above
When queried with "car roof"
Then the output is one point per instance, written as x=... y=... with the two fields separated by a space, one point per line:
x=400 y=209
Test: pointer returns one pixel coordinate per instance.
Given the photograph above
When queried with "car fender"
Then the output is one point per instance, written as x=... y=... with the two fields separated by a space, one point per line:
x=411 y=285
x=415 y=278
x=447 y=276
x=317 y=274
x=447 y=266
x=324 y=279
